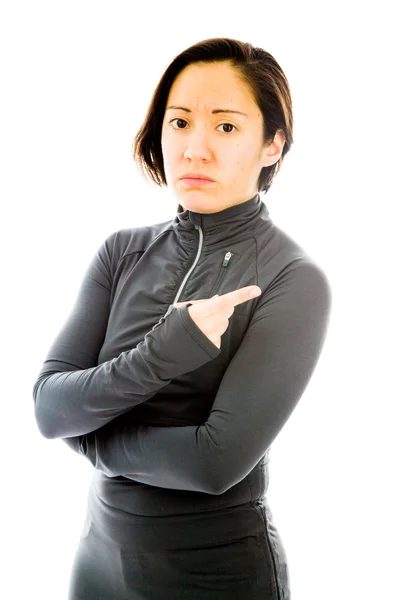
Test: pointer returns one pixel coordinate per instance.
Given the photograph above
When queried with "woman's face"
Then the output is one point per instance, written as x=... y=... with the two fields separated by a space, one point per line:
x=228 y=147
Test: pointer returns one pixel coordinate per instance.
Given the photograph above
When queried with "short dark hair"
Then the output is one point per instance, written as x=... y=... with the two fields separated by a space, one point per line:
x=256 y=67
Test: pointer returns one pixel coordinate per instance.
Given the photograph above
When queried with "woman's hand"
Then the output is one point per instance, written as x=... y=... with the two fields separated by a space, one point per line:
x=211 y=315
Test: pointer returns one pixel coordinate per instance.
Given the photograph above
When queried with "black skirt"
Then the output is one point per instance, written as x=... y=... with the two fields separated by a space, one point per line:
x=225 y=554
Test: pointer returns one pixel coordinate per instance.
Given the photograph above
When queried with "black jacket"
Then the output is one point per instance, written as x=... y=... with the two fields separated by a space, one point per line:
x=133 y=384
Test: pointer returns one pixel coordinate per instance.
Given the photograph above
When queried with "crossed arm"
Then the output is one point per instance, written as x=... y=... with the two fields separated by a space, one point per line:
x=260 y=389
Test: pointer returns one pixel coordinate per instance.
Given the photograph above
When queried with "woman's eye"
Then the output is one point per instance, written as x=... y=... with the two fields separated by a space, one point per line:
x=183 y=121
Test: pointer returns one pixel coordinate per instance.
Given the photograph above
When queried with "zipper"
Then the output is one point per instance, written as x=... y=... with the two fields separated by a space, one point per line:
x=227 y=259
x=225 y=264
x=196 y=260
x=181 y=287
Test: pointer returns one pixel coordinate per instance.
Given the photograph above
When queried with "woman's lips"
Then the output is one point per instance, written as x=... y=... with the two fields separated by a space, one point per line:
x=193 y=181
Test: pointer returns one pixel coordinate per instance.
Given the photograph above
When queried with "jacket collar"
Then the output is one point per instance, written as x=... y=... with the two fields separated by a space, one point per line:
x=228 y=225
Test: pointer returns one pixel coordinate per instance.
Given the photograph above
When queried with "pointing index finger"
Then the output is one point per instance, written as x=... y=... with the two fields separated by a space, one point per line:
x=242 y=294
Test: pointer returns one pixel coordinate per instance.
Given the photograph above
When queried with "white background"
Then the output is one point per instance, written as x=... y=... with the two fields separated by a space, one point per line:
x=76 y=80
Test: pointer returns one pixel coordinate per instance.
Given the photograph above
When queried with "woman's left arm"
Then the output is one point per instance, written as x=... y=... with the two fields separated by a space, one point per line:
x=261 y=386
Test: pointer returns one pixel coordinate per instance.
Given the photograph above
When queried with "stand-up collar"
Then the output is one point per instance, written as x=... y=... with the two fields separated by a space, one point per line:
x=228 y=225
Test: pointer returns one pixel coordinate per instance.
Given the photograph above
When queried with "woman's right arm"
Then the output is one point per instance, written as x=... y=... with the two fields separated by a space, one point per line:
x=73 y=395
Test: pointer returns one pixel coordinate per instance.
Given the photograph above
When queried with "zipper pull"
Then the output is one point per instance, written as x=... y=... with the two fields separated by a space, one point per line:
x=227 y=259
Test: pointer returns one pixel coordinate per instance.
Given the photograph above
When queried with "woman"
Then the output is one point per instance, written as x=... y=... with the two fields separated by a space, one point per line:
x=168 y=376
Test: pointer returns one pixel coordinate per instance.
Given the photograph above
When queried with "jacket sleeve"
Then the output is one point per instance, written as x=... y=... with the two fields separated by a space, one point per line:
x=261 y=387
x=73 y=395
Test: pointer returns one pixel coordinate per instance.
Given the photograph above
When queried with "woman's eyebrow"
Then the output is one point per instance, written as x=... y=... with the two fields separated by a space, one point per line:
x=214 y=112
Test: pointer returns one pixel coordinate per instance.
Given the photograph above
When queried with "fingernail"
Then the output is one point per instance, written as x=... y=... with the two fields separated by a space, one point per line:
x=255 y=292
